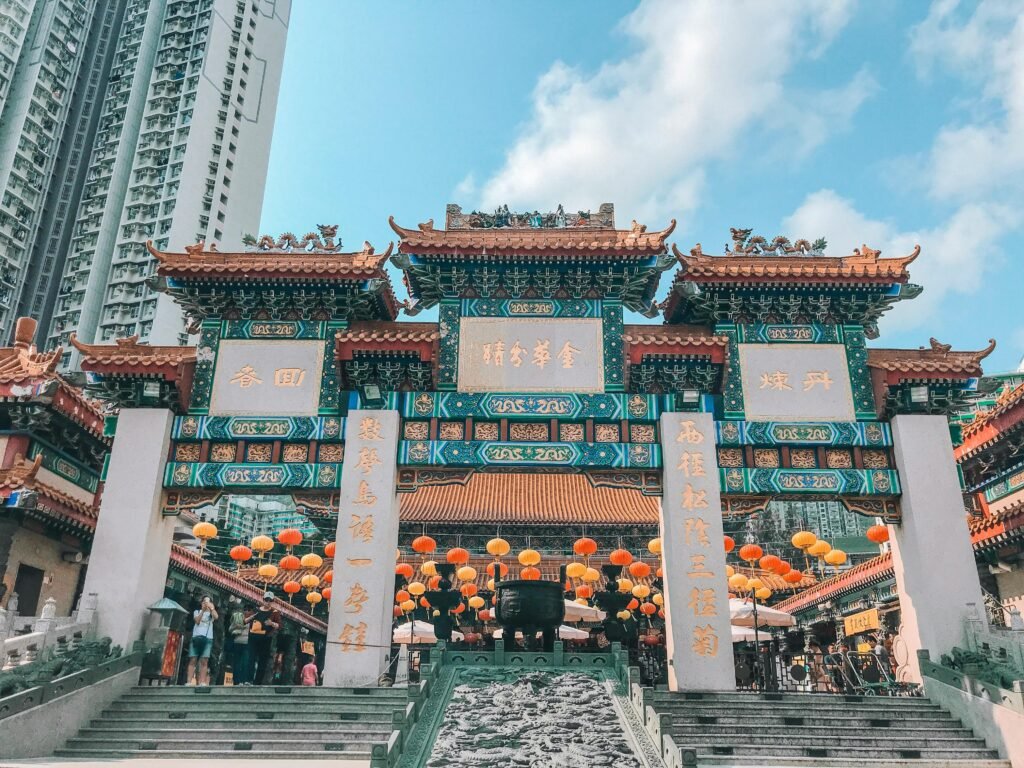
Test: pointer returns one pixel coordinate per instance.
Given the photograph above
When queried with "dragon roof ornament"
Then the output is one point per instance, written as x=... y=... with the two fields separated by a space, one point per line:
x=311 y=242
x=503 y=218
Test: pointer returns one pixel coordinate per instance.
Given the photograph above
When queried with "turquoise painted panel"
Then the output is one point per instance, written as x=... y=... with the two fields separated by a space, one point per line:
x=61 y=464
x=448 y=348
x=531 y=308
x=614 y=349
x=422 y=405
x=274 y=329
x=257 y=428
x=871 y=434
x=206 y=475
x=1005 y=487
x=854 y=482
x=780 y=333
x=475 y=453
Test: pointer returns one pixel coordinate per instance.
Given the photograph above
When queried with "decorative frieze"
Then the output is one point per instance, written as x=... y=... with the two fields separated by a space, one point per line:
x=478 y=453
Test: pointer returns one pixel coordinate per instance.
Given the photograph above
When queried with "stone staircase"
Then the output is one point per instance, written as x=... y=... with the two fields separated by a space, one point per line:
x=261 y=721
x=795 y=729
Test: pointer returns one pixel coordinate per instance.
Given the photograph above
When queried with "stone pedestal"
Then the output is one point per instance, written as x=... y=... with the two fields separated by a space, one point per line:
x=130 y=552
x=359 y=627
x=933 y=560
x=698 y=634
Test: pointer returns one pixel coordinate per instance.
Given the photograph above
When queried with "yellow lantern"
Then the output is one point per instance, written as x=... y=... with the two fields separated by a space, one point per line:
x=640 y=591
x=529 y=557
x=312 y=560
x=313 y=598
x=575 y=570
x=498 y=547
x=267 y=571
x=490 y=584
x=658 y=599
x=261 y=544
x=754 y=584
x=435 y=614
x=309 y=581
x=204 y=532
x=625 y=585
x=763 y=593
x=820 y=548
x=654 y=546
x=408 y=606
x=623 y=615
x=738 y=582
x=429 y=568
x=465 y=573
x=729 y=571
x=476 y=602
x=416 y=588
x=836 y=557
x=591 y=574
x=803 y=539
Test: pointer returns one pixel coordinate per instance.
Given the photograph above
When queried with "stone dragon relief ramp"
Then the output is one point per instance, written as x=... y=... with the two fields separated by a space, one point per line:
x=529 y=717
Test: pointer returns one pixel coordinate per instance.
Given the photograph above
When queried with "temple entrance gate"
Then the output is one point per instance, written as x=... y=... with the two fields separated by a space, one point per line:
x=759 y=386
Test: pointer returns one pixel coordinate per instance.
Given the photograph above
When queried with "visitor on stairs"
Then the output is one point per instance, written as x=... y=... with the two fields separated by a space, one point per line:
x=263 y=625
x=238 y=645
x=202 y=642
x=310 y=674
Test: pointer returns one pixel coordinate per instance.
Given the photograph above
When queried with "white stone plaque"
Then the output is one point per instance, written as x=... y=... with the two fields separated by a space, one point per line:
x=501 y=354
x=267 y=378
x=698 y=634
x=796 y=382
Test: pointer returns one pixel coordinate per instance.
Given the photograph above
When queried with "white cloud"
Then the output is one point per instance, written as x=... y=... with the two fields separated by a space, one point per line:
x=957 y=257
x=639 y=131
x=984 y=153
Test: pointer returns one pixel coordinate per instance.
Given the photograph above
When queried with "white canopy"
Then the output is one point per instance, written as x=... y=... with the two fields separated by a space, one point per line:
x=418 y=632
x=741 y=614
x=564 y=633
x=746 y=634
x=576 y=612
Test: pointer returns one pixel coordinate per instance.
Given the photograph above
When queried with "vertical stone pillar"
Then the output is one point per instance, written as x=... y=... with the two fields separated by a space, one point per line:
x=933 y=560
x=359 y=627
x=128 y=562
x=698 y=633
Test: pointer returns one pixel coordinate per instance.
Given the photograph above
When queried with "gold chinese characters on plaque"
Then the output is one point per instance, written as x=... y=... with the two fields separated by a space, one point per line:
x=796 y=382
x=267 y=378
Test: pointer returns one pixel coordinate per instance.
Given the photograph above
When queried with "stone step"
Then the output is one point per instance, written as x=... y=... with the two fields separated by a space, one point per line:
x=858 y=720
x=878 y=752
x=899 y=740
x=313 y=691
x=252 y=707
x=103 y=755
x=252 y=695
x=801 y=698
x=366 y=733
x=840 y=762
x=821 y=705
x=118 y=720
x=270 y=742
x=795 y=732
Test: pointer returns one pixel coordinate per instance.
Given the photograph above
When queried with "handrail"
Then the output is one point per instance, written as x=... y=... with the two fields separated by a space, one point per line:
x=25 y=639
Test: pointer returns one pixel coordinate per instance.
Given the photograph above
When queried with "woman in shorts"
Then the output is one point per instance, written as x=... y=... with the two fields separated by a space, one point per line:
x=202 y=642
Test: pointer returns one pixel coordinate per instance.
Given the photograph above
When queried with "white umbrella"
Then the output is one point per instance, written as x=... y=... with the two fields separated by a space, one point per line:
x=564 y=633
x=576 y=612
x=418 y=632
x=741 y=614
x=745 y=635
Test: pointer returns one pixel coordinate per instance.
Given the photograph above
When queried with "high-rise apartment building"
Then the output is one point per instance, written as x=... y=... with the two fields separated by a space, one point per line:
x=124 y=121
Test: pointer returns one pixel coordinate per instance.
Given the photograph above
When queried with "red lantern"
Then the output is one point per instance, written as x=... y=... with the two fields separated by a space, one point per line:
x=530 y=573
x=878 y=534
x=468 y=590
x=501 y=567
x=730 y=544
x=434 y=582
x=783 y=568
x=651 y=639
x=660 y=573
x=750 y=552
x=648 y=609
x=424 y=602
x=328 y=578
x=769 y=562
x=405 y=570
x=661 y=613
x=585 y=591
x=460 y=608
x=458 y=556
x=423 y=545
x=485 y=615
x=639 y=570
x=633 y=605
x=290 y=537
x=290 y=563
x=793 y=577
x=326 y=592
x=620 y=557
x=241 y=553
x=396 y=611
x=330 y=548
x=584 y=546
x=291 y=587
x=401 y=596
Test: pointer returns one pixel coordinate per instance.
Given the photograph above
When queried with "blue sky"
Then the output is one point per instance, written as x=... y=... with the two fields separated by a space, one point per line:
x=884 y=122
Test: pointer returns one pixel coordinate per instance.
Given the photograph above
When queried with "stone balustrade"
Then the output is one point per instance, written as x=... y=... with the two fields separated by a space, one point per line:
x=27 y=639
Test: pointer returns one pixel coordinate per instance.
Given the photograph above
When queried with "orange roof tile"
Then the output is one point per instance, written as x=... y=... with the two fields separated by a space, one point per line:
x=870 y=571
x=864 y=264
x=984 y=427
x=535 y=241
x=23 y=474
x=673 y=340
x=938 y=359
x=130 y=354
x=271 y=264
x=528 y=498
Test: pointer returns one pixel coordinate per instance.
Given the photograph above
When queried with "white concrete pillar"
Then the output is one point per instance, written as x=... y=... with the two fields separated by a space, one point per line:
x=698 y=635
x=933 y=560
x=359 y=627
x=128 y=562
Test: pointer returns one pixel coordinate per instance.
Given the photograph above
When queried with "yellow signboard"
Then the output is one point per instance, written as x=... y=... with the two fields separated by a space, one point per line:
x=864 y=621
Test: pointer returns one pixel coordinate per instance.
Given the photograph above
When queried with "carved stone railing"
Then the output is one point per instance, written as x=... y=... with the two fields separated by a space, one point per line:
x=964 y=680
x=25 y=640
x=998 y=644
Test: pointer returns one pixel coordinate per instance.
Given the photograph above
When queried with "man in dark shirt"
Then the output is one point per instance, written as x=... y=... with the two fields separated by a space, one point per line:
x=263 y=625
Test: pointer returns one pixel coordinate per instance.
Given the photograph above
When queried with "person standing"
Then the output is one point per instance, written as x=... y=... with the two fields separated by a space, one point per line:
x=263 y=625
x=310 y=673
x=202 y=642
x=238 y=644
